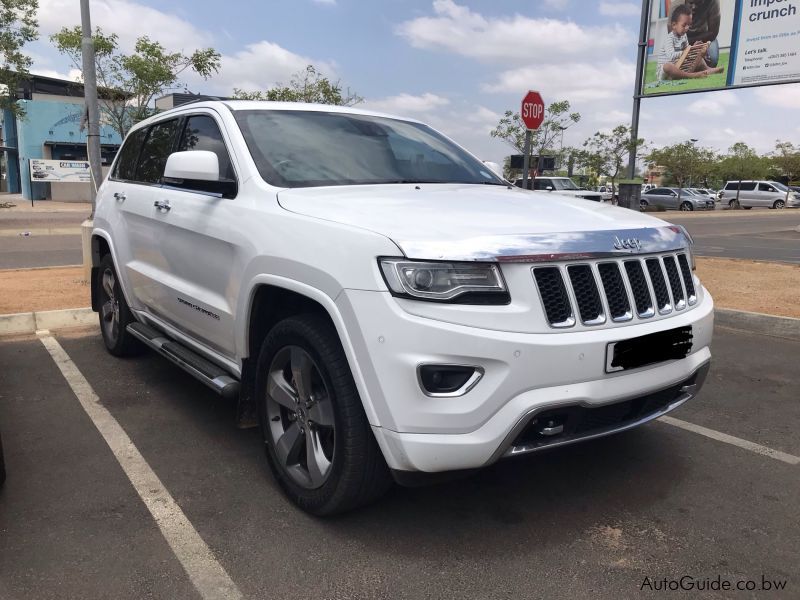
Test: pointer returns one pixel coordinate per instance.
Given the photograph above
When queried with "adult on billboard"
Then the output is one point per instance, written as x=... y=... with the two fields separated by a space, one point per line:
x=706 y=20
x=678 y=58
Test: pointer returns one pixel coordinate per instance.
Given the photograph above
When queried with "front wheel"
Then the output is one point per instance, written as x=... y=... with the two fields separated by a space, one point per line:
x=319 y=444
x=779 y=204
x=687 y=206
x=115 y=315
x=643 y=205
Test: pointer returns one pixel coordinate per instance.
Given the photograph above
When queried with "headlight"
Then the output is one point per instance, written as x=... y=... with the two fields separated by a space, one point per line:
x=455 y=282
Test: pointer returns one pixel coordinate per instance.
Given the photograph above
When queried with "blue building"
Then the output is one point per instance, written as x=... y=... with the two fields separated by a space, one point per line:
x=50 y=129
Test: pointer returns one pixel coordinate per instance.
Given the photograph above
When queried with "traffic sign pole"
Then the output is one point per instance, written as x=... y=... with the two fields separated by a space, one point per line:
x=526 y=164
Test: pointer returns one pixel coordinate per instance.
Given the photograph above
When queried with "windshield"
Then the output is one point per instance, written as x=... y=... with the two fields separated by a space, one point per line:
x=294 y=148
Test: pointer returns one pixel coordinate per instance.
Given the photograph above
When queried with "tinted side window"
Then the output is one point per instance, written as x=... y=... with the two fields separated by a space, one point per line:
x=748 y=187
x=202 y=133
x=542 y=184
x=765 y=187
x=126 y=164
x=732 y=186
x=157 y=147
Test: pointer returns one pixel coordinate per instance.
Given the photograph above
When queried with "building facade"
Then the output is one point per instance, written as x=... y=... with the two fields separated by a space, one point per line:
x=51 y=128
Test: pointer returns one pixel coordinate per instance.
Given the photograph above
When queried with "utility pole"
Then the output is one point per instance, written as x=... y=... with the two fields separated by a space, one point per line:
x=93 y=137
x=641 y=56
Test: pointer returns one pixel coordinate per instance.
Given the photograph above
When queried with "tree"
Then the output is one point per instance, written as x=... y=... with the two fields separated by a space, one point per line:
x=607 y=153
x=18 y=26
x=131 y=82
x=308 y=85
x=742 y=162
x=678 y=160
x=786 y=159
x=511 y=129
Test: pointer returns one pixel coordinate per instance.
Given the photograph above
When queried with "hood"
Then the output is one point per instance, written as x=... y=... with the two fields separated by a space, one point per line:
x=464 y=217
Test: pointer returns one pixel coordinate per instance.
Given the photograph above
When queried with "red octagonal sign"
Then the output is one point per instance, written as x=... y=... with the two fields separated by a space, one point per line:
x=532 y=110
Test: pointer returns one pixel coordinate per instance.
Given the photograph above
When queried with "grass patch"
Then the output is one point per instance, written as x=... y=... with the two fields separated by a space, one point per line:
x=653 y=86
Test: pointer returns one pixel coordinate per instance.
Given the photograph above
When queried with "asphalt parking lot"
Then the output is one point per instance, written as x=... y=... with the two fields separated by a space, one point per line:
x=596 y=518
x=757 y=234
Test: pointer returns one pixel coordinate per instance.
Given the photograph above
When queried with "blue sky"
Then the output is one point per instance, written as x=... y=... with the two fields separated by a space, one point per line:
x=456 y=64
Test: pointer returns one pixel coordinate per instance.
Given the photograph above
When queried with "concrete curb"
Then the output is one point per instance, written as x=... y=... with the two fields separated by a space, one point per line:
x=783 y=327
x=31 y=322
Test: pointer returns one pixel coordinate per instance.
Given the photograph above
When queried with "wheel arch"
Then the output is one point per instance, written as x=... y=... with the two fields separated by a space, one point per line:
x=272 y=298
x=102 y=244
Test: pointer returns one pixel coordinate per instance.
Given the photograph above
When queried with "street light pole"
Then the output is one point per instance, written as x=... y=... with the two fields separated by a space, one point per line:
x=90 y=97
x=93 y=137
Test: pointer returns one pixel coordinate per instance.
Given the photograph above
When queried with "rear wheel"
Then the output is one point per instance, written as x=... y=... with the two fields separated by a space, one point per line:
x=115 y=315
x=319 y=443
x=779 y=204
x=732 y=204
x=686 y=206
x=643 y=204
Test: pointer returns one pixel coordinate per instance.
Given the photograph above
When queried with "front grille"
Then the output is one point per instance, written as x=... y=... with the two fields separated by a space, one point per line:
x=615 y=289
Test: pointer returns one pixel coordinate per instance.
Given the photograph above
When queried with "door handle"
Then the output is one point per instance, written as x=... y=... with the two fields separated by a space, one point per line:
x=119 y=196
x=162 y=204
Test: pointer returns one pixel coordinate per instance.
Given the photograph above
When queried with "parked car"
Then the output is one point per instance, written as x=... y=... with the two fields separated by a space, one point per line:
x=606 y=192
x=769 y=194
x=677 y=199
x=384 y=303
x=705 y=193
x=562 y=186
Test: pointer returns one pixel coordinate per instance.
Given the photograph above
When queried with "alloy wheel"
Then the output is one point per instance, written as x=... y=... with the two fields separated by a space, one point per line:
x=109 y=309
x=300 y=417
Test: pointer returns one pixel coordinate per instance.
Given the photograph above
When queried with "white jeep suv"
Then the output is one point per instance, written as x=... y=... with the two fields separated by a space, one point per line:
x=379 y=301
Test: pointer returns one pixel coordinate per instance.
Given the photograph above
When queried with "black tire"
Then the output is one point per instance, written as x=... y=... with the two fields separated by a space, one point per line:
x=686 y=206
x=113 y=325
x=357 y=473
x=779 y=204
x=2 y=464
x=732 y=204
x=643 y=204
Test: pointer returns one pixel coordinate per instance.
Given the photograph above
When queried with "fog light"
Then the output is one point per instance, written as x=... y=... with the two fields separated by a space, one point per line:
x=448 y=380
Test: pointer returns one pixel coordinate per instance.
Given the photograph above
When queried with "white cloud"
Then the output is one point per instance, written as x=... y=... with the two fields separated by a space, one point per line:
x=620 y=9
x=72 y=75
x=128 y=20
x=575 y=82
x=328 y=2
x=557 y=4
x=517 y=39
x=260 y=66
x=717 y=106
x=785 y=96
x=613 y=117
x=404 y=104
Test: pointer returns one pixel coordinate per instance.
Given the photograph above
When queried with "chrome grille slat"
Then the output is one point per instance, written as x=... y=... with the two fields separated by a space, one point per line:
x=688 y=282
x=641 y=292
x=675 y=285
x=616 y=291
x=619 y=304
x=659 y=282
x=555 y=298
x=587 y=295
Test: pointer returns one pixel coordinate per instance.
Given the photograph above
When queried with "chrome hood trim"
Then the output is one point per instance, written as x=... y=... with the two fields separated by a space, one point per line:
x=550 y=247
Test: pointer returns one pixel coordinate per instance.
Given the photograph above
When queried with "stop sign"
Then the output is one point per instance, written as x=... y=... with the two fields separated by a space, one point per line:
x=532 y=110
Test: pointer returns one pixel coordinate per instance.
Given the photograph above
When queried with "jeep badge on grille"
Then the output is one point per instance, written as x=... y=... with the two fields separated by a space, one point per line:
x=627 y=243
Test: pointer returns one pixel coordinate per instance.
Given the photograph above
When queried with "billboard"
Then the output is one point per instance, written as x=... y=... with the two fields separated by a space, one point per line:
x=700 y=45
x=65 y=171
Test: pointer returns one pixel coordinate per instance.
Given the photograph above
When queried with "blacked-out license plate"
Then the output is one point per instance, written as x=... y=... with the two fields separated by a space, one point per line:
x=649 y=349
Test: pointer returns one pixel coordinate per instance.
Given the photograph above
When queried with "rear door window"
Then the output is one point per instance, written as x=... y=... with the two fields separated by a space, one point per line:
x=157 y=147
x=747 y=186
x=125 y=168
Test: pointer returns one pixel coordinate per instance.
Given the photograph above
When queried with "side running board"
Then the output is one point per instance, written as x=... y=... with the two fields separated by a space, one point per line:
x=210 y=374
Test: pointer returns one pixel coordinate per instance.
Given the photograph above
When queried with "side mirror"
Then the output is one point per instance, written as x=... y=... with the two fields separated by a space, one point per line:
x=549 y=188
x=495 y=168
x=197 y=165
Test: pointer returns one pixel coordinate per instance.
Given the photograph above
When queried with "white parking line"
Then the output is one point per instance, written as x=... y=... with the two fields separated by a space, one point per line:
x=729 y=439
x=207 y=575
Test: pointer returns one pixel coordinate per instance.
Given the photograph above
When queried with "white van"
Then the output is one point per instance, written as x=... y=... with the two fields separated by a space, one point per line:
x=769 y=194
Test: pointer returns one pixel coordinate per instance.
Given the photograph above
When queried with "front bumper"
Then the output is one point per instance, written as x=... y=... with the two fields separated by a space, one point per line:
x=524 y=373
